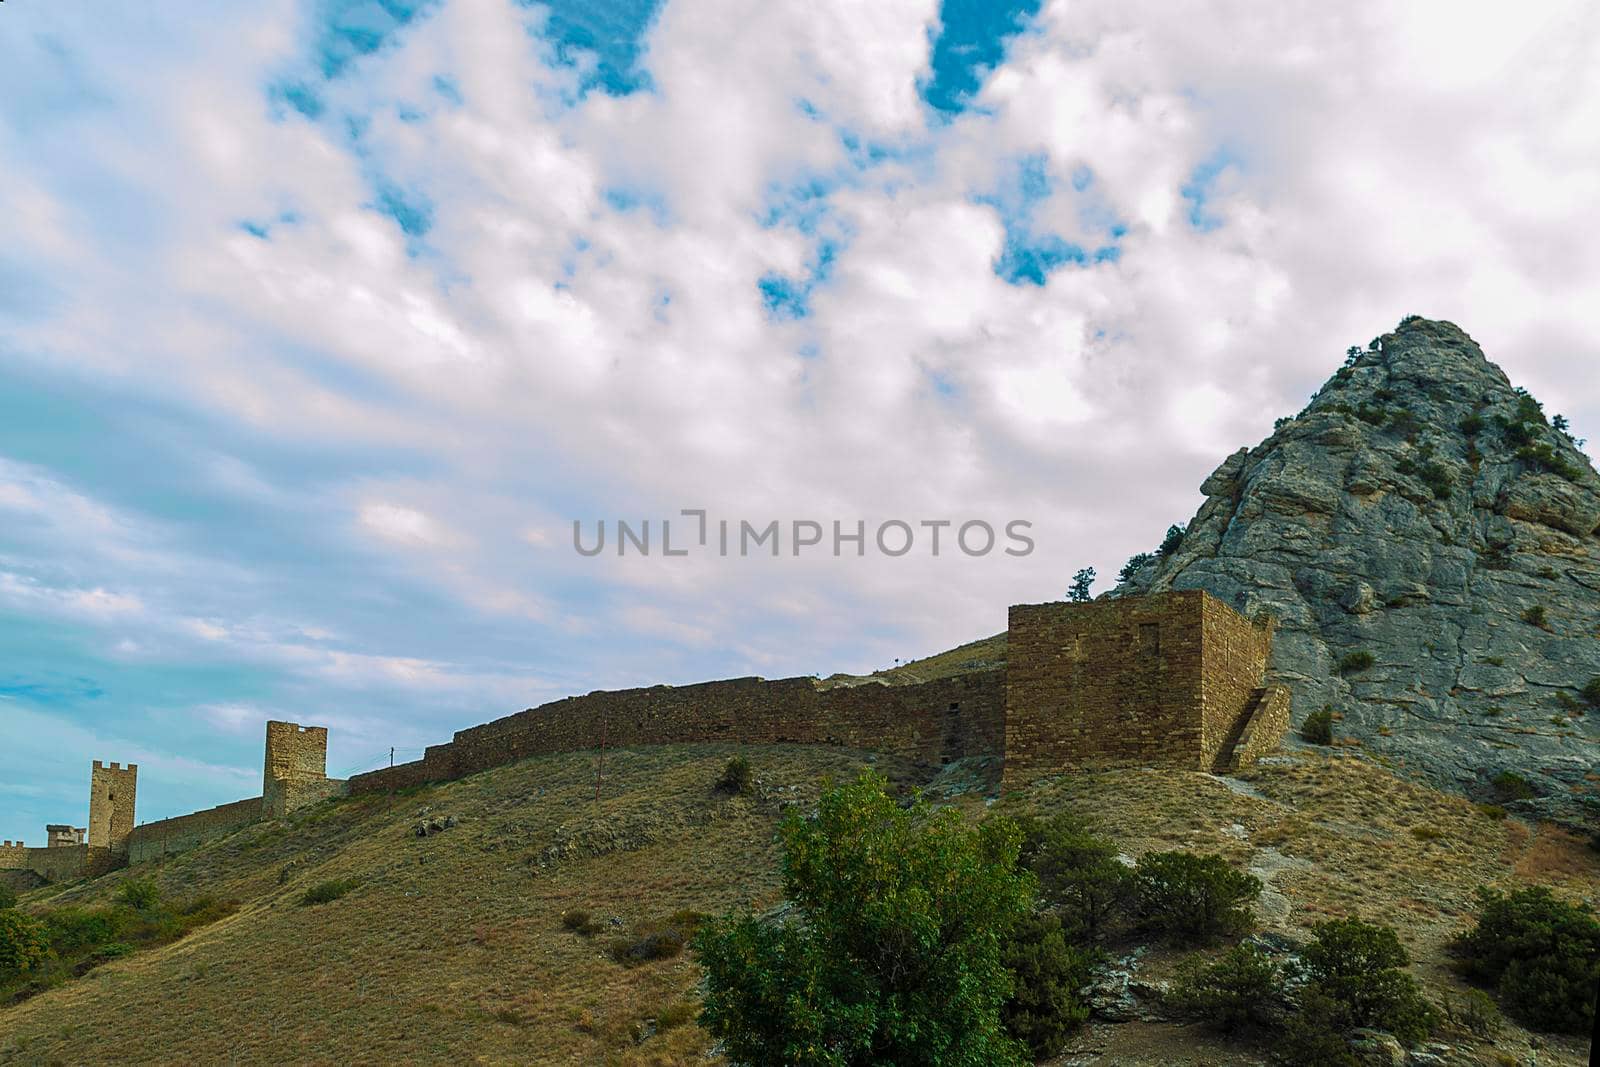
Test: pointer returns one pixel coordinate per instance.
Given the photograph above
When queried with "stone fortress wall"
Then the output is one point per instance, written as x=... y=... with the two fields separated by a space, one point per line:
x=1174 y=680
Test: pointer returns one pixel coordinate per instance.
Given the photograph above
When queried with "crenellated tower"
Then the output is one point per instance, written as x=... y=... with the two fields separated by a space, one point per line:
x=112 y=792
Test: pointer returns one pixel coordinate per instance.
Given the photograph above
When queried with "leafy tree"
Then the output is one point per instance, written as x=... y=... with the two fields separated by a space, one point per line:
x=1081 y=583
x=1047 y=974
x=1362 y=967
x=22 y=943
x=1195 y=898
x=140 y=894
x=1080 y=878
x=897 y=954
x=1540 y=953
x=737 y=778
x=1240 y=990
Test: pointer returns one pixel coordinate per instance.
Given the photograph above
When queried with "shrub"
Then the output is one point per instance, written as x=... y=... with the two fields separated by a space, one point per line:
x=1080 y=878
x=1046 y=974
x=580 y=922
x=1540 y=953
x=896 y=957
x=1082 y=586
x=1240 y=990
x=329 y=891
x=141 y=895
x=1192 y=897
x=22 y=943
x=659 y=945
x=1509 y=785
x=8 y=897
x=675 y=1015
x=1472 y=425
x=1318 y=727
x=737 y=778
x=1493 y=811
x=1474 y=1012
x=1359 y=660
x=1535 y=616
x=1591 y=693
x=1361 y=966
x=70 y=930
x=1314 y=1033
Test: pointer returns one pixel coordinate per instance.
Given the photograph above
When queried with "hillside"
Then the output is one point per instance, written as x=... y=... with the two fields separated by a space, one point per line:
x=451 y=947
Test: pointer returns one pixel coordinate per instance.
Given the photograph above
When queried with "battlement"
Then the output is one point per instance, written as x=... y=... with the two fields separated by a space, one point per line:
x=1175 y=679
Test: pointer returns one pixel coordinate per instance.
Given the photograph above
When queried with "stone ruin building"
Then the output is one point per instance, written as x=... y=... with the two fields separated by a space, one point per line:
x=1176 y=679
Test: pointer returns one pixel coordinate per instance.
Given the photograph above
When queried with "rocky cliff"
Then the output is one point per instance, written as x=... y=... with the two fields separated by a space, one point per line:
x=1430 y=544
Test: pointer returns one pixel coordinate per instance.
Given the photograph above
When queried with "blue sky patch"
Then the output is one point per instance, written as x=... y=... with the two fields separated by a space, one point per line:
x=1031 y=254
x=971 y=42
x=1201 y=186
x=608 y=35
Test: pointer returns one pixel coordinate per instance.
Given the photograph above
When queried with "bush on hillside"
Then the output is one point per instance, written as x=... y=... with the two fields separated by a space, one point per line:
x=1314 y=1033
x=1191 y=897
x=1136 y=563
x=1318 y=727
x=8 y=897
x=1359 y=660
x=329 y=891
x=1362 y=967
x=1591 y=693
x=1081 y=881
x=1540 y=953
x=895 y=956
x=1173 y=540
x=1242 y=989
x=1475 y=1011
x=737 y=778
x=1509 y=785
x=1046 y=972
x=22 y=944
x=141 y=894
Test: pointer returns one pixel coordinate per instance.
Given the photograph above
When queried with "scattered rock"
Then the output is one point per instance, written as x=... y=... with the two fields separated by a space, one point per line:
x=1377 y=1049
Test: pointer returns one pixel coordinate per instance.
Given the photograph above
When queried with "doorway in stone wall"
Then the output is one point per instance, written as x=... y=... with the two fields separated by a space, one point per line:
x=951 y=747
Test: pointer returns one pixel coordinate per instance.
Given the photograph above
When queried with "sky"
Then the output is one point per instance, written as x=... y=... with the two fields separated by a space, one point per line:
x=321 y=321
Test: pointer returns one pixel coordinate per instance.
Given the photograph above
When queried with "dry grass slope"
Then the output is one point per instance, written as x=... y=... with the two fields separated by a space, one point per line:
x=451 y=948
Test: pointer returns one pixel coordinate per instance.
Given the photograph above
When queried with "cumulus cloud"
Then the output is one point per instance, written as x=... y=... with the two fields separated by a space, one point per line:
x=322 y=341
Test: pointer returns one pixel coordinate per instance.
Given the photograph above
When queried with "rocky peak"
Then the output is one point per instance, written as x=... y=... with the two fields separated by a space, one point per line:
x=1430 y=543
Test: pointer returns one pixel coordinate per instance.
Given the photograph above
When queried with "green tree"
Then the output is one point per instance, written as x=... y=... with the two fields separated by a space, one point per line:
x=22 y=943
x=1540 y=953
x=1195 y=898
x=1047 y=973
x=1082 y=582
x=1362 y=967
x=8 y=897
x=897 y=954
x=1080 y=878
x=1242 y=989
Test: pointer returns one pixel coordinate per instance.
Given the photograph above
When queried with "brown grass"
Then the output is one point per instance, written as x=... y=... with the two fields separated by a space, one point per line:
x=453 y=947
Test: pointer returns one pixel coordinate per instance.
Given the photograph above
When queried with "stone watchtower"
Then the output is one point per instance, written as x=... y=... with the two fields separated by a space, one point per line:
x=1168 y=680
x=112 y=791
x=296 y=768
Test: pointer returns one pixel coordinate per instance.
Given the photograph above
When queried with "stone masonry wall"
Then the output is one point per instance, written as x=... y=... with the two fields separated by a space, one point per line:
x=1266 y=728
x=158 y=838
x=1111 y=681
x=932 y=723
x=13 y=855
x=1235 y=662
x=294 y=752
x=113 y=793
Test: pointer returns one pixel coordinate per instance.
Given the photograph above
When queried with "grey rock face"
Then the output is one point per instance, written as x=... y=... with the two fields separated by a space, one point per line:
x=1422 y=511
